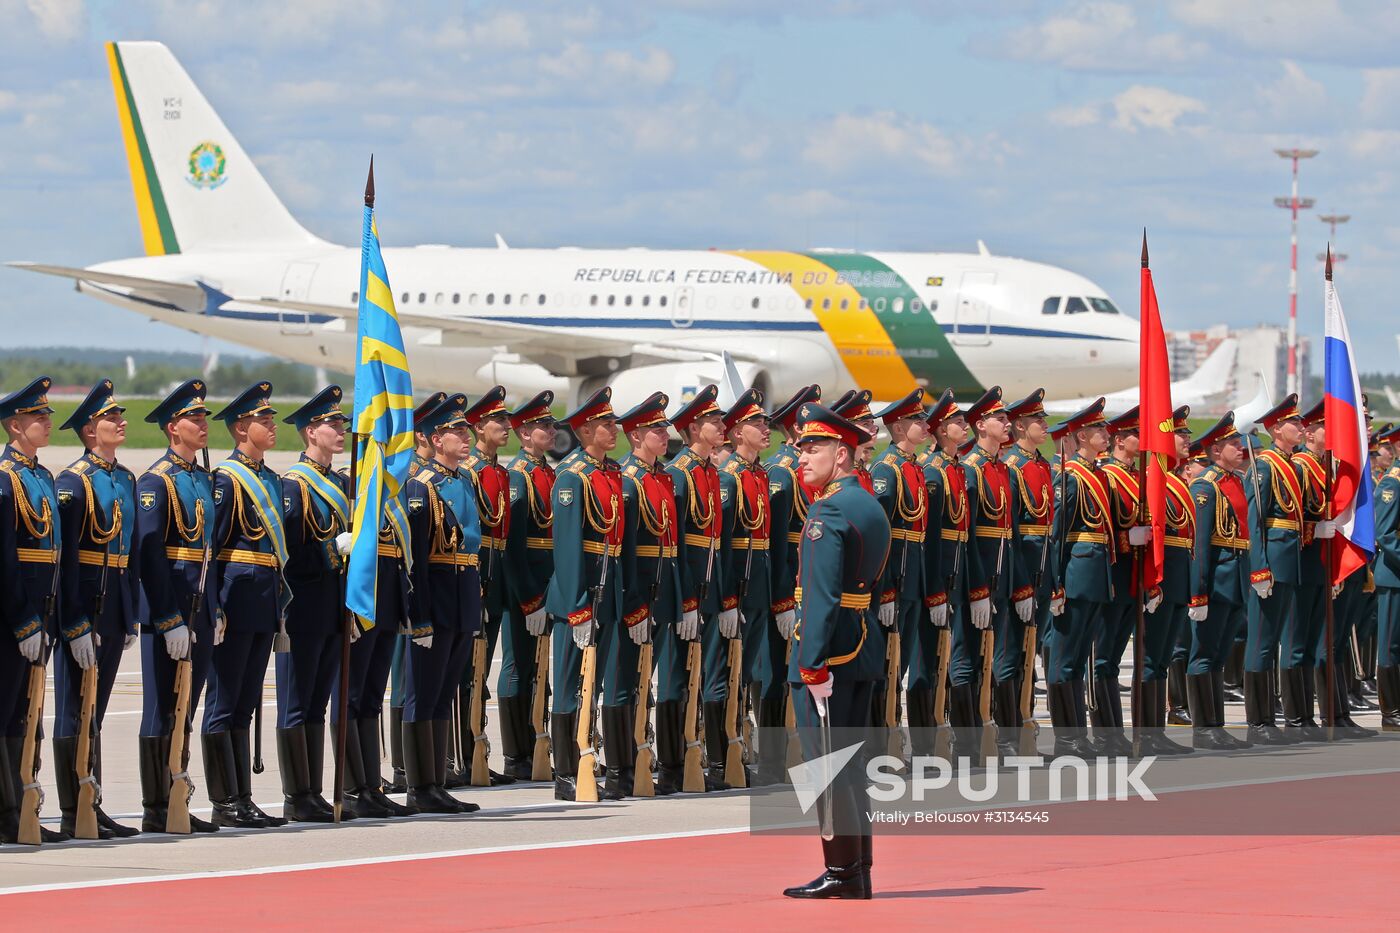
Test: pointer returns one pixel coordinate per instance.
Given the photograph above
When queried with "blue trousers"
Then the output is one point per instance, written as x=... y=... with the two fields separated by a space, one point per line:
x=305 y=677
x=1266 y=620
x=1302 y=630
x=1212 y=639
x=68 y=677
x=966 y=647
x=1074 y=632
x=1159 y=648
x=370 y=659
x=1116 y=626
x=567 y=660
x=1009 y=638
x=617 y=664
x=236 y=680
x=715 y=648
x=158 y=679
x=432 y=675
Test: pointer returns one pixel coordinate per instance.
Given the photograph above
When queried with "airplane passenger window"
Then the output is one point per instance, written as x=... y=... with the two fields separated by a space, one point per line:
x=627 y=301
x=1103 y=306
x=490 y=298
x=933 y=306
x=826 y=304
x=844 y=304
x=915 y=306
x=879 y=305
x=808 y=304
x=612 y=300
x=1051 y=306
x=541 y=301
x=422 y=297
x=1075 y=306
x=524 y=300
x=898 y=305
x=354 y=298
x=405 y=298
x=755 y=304
x=661 y=301
x=593 y=300
x=646 y=301
x=471 y=299
x=456 y=298
x=505 y=299
x=437 y=299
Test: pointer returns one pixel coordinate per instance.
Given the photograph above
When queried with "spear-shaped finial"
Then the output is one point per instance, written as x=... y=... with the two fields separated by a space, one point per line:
x=1144 y=247
x=369 y=184
x=1329 y=261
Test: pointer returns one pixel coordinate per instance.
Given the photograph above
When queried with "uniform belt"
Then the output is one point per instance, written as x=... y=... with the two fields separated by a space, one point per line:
x=794 y=537
x=1234 y=544
x=742 y=544
x=540 y=544
x=390 y=550
x=656 y=550
x=1288 y=524
x=1087 y=537
x=494 y=542
x=699 y=540
x=456 y=559
x=98 y=558
x=907 y=534
x=36 y=555
x=1034 y=531
x=183 y=553
x=848 y=600
x=233 y=555
x=953 y=534
x=596 y=547
x=1177 y=541
x=993 y=531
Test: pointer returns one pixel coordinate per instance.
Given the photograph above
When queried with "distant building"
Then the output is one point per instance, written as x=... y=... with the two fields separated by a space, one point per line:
x=1262 y=349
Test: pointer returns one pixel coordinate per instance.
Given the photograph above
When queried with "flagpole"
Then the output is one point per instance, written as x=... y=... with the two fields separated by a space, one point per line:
x=1331 y=587
x=1139 y=632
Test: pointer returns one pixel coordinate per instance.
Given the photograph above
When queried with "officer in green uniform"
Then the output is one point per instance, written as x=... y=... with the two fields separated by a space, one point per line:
x=1083 y=555
x=845 y=544
x=700 y=422
x=1220 y=581
x=790 y=500
x=652 y=602
x=1388 y=593
x=97 y=508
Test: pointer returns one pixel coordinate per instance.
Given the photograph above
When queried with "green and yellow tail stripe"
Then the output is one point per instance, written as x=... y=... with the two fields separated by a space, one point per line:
x=157 y=232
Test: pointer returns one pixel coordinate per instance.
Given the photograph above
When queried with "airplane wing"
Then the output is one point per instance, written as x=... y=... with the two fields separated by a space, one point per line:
x=561 y=351
x=189 y=297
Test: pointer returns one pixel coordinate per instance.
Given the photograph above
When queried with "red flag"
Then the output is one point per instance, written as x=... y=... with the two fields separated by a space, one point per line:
x=1156 y=428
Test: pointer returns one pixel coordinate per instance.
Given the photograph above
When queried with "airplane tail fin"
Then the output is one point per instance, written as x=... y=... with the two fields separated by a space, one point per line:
x=1212 y=377
x=196 y=189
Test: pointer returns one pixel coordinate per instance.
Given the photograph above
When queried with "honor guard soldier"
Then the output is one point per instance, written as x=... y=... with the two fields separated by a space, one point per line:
x=854 y=405
x=248 y=567
x=530 y=553
x=489 y=420
x=790 y=499
x=97 y=509
x=174 y=543
x=946 y=556
x=585 y=593
x=1275 y=499
x=1119 y=617
x=1033 y=492
x=316 y=513
x=1388 y=593
x=898 y=481
x=30 y=543
x=1298 y=652
x=748 y=530
x=1084 y=557
x=845 y=544
x=422 y=454
x=652 y=603
x=445 y=537
x=1220 y=580
x=700 y=423
x=1166 y=603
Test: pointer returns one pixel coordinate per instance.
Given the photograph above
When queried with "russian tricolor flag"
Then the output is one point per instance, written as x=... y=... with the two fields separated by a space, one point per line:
x=1346 y=439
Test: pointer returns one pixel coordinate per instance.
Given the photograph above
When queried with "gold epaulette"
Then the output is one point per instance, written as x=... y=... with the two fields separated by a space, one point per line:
x=733 y=467
x=578 y=466
x=785 y=460
x=682 y=462
x=160 y=469
x=1393 y=472
x=519 y=465
x=889 y=459
x=632 y=469
x=79 y=467
x=471 y=461
x=425 y=477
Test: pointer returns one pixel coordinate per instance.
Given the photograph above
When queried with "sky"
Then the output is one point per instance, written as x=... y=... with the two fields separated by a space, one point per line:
x=1051 y=131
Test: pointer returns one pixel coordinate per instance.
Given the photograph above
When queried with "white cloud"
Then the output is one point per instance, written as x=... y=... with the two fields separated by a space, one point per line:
x=851 y=141
x=1294 y=98
x=58 y=19
x=1096 y=36
x=1380 y=97
x=1074 y=115
x=1309 y=30
x=1156 y=108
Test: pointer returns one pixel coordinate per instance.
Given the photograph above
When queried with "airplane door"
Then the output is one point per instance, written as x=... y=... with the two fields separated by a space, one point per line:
x=683 y=307
x=972 y=318
x=296 y=286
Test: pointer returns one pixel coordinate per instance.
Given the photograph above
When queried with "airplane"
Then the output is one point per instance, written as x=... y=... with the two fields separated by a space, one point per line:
x=1199 y=390
x=226 y=259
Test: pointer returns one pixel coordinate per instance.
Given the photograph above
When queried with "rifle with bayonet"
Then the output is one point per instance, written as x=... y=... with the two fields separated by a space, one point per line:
x=481 y=745
x=735 y=774
x=586 y=781
x=30 y=758
x=177 y=813
x=984 y=696
x=694 y=777
x=893 y=663
x=89 y=791
x=642 y=735
x=540 y=769
x=943 y=736
x=1029 y=730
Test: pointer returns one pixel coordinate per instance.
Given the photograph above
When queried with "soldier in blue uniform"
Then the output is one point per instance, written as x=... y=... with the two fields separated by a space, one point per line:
x=652 y=602
x=700 y=423
x=251 y=556
x=97 y=509
x=445 y=537
x=1082 y=542
x=174 y=532
x=585 y=593
x=30 y=543
x=530 y=554
x=1220 y=581
x=845 y=544
x=1387 y=570
x=316 y=513
x=747 y=575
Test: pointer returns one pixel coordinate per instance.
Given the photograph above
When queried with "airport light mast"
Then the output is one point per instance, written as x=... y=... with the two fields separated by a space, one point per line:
x=1294 y=204
x=1332 y=220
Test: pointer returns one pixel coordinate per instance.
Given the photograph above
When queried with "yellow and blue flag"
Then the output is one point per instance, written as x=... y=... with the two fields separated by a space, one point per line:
x=382 y=419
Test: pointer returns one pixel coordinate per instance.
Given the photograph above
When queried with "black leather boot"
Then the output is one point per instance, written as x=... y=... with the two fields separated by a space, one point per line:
x=420 y=770
x=297 y=804
x=355 y=802
x=616 y=740
x=1206 y=735
x=439 y=729
x=1343 y=727
x=772 y=742
x=117 y=830
x=966 y=723
x=371 y=790
x=1006 y=711
x=1154 y=735
x=716 y=744
x=396 y=783
x=1107 y=717
x=243 y=771
x=65 y=753
x=1297 y=705
x=1218 y=710
x=843 y=878
x=152 y=752
x=670 y=748
x=1259 y=710
x=1070 y=740
x=222 y=778
x=563 y=734
x=1177 y=714
x=1388 y=690
x=867 y=862
x=514 y=714
x=1232 y=678
x=316 y=767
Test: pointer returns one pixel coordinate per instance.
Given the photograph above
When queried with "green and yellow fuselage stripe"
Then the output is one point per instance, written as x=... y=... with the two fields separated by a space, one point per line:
x=157 y=232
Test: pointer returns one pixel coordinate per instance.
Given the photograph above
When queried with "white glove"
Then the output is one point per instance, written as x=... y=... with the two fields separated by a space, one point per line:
x=787 y=621
x=177 y=643
x=1265 y=588
x=1337 y=589
x=982 y=612
x=688 y=628
x=30 y=646
x=888 y=612
x=581 y=633
x=938 y=615
x=424 y=641
x=1025 y=608
x=1325 y=529
x=355 y=632
x=1057 y=605
x=639 y=631
x=1197 y=613
x=729 y=623
x=1140 y=535
x=220 y=627
x=821 y=691
x=342 y=542
x=128 y=641
x=536 y=621
x=1153 y=602
x=84 y=651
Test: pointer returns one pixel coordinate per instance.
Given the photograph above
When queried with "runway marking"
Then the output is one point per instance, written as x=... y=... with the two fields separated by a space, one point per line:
x=377 y=860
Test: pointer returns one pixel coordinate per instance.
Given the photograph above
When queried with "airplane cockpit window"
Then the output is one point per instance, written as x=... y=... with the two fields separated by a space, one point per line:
x=1051 y=306
x=1075 y=306
x=1103 y=306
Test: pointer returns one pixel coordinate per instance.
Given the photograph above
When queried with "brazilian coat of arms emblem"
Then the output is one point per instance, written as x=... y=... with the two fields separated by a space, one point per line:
x=207 y=165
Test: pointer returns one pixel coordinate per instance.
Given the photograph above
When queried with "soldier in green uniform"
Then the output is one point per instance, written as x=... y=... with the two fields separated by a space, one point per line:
x=845 y=544
x=700 y=422
x=1220 y=581
x=1303 y=630
x=1388 y=592
x=585 y=592
x=790 y=499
